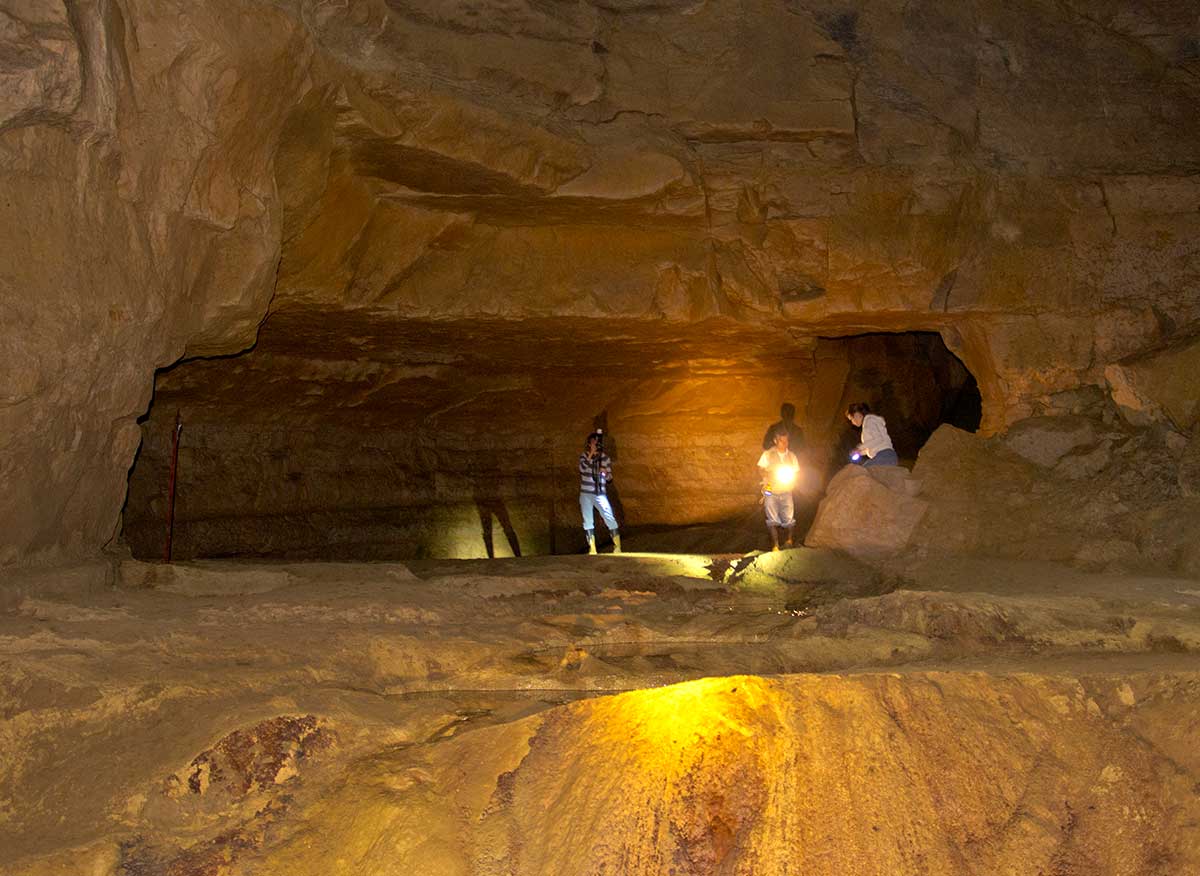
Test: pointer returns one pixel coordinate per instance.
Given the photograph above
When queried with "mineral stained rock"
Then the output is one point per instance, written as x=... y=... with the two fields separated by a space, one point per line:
x=817 y=775
x=1020 y=180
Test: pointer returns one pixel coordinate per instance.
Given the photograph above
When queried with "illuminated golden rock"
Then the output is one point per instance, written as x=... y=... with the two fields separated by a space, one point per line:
x=933 y=773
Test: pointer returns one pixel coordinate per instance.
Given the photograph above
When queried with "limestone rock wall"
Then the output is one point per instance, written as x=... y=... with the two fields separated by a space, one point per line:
x=815 y=177
x=1020 y=179
x=139 y=220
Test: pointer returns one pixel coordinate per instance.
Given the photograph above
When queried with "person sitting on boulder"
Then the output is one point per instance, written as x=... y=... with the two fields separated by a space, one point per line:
x=595 y=473
x=875 y=447
x=778 y=467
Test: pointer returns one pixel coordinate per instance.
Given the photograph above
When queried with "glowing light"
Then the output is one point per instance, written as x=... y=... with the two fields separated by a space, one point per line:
x=692 y=713
x=784 y=476
x=855 y=456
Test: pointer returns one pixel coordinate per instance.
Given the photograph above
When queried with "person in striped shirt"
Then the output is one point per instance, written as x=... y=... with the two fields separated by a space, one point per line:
x=595 y=473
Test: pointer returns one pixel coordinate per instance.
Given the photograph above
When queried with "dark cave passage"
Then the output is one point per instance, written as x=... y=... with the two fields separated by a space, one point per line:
x=911 y=379
x=348 y=437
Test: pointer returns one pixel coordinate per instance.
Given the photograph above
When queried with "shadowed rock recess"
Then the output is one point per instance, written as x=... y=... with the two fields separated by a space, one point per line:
x=389 y=262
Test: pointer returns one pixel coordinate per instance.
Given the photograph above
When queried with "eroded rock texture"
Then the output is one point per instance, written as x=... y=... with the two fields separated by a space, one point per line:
x=1019 y=179
x=788 y=713
x=140 y=222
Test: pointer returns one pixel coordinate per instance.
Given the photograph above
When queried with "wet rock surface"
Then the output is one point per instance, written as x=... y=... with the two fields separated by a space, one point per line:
x=972 y=715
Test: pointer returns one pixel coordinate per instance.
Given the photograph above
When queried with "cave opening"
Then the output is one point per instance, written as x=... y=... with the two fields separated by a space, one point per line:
x=911 y=379
x=356 y=435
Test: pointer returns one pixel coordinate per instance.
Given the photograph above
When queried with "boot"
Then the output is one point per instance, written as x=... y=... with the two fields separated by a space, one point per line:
x=616 y=542
x=591 y=540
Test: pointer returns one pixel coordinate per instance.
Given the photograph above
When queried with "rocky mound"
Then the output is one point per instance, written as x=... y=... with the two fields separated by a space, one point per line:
x=868 y=512
x=1086 y=490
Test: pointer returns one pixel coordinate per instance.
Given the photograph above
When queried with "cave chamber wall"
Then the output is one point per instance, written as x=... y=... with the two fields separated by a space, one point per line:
x=177 y=172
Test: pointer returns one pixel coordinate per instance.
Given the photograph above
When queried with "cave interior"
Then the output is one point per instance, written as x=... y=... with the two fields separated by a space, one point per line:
x=417 y=440
x=306 y=309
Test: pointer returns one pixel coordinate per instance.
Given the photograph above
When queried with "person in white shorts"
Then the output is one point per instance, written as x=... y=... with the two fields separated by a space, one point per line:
x=778 y=468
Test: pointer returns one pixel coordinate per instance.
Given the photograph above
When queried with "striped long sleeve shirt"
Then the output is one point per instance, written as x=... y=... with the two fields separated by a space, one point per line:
x=592 y=477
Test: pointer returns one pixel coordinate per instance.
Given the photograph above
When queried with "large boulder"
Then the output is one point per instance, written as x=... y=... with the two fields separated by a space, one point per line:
x=1046 y=440
x=1132 y=514
x=868 y=512
x=1159 y=386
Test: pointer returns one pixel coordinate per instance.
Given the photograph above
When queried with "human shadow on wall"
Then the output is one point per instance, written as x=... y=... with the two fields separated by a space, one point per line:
x=491 y=506
x=786 y=423
x=613 y=491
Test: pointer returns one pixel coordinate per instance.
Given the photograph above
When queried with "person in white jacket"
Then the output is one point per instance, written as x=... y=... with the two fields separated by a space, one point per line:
x=875 y=444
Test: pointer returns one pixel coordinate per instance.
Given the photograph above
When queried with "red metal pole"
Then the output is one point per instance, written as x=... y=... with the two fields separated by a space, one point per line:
x=171 y=486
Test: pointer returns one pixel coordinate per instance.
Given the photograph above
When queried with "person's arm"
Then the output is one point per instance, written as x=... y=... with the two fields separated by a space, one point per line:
x=606 y=466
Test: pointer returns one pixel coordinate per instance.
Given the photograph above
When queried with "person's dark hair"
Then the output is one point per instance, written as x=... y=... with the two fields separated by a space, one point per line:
x=858 y=408
x=599 y=436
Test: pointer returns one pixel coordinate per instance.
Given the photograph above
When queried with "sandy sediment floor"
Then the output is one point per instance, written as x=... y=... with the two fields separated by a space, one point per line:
x=797 y=712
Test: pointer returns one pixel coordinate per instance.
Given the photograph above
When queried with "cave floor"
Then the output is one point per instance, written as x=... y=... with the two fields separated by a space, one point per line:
x=213 y=710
